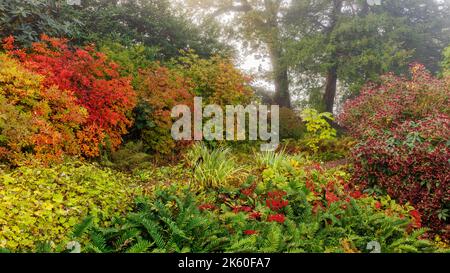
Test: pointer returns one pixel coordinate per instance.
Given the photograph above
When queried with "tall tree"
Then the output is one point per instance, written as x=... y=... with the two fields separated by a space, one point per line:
x=152 y=23
x=259 y=22
x=332 y=76
x=352 y=42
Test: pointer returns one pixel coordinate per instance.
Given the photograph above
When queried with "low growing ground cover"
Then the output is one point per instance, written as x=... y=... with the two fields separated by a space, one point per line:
x=286 y=203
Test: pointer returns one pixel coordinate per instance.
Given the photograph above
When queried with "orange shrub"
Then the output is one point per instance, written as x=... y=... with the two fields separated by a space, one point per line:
x=34 y=118
x=216 y=80
x=93 y=79
x=159 y=90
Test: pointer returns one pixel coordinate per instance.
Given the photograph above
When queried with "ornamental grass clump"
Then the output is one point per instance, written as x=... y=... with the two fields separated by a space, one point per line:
x=214 y=168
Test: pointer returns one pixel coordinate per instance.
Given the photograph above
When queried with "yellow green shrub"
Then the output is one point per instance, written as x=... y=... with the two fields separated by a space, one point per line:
x=446 y=62
x=43 y=204
x=37 y=122
x=318 y=128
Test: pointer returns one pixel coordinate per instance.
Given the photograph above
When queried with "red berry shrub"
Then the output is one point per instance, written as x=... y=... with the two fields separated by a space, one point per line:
x=280 y=218
x=93 y=79
x=250 y=232
x=403 y=126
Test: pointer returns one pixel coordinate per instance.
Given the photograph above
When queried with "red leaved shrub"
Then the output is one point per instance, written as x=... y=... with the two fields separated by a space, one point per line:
x=412 y=164
x=403 y=126
x=93 y=79
x=160 y=89
x=396 y=100
x=35 y=119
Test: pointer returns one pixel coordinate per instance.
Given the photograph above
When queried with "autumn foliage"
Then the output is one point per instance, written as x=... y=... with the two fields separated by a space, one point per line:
x=411 y=164
x=216 y=80
x=160 y=89
x=396 y=100
x=92 y=79
x=35 y=118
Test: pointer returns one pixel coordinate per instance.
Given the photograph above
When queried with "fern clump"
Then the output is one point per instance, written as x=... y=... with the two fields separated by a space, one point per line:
x=307 y=215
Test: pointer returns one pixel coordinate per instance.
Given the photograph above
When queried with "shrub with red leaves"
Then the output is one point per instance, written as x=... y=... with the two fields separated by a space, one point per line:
x=417 y=218
x=331 y=197
x=403 y=126
x=396 y=100
x=242 y=209
x=205 y=207
x=93 y=79
x=160 y=89
x=255 y=215
x=412 y=164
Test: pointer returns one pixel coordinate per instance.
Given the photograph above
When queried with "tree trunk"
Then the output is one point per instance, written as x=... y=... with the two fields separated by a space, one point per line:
x=282 y=96
x=330 y=89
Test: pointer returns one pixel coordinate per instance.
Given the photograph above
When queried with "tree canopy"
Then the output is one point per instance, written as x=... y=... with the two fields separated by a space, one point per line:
x=351 y=42
x=322 y=46
x=152 y=23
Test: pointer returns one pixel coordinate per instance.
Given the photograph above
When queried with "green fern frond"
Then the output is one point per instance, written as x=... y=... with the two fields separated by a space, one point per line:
x=174 y=228
x=82 y=227
x=243 y=245
x=140 y=247
x=154 y=232
x=98 y=242
x=407 y=249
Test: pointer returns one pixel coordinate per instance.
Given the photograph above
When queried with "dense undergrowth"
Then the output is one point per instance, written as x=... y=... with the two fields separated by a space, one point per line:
x=285 y=203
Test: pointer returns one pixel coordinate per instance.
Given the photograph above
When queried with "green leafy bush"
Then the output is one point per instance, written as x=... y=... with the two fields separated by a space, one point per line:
x=291 y=125
x=318 y=128
x=128 y=157
x=130 y=58
x=216 y=79
x=43 y=204
x=329 y=150
x=446 y=62
x=27 y=20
